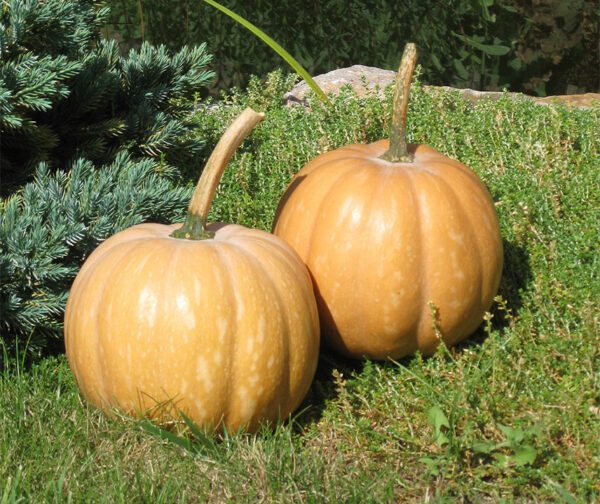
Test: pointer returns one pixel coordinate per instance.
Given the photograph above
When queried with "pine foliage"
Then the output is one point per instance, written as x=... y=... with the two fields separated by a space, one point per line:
x=122 y=124
x=50 y=226
x=67 y=93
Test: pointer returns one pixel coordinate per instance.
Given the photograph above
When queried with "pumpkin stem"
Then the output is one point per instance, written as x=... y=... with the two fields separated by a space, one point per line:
x=194 y=227
x=398 y=150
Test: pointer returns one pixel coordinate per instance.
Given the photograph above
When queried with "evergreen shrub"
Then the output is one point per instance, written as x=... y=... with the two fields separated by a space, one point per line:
x=122 y=128
x=51 y=225
x=67 y=93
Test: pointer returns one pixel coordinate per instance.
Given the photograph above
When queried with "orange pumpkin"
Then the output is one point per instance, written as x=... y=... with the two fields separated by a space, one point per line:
x=217 y=321
x=402 y=243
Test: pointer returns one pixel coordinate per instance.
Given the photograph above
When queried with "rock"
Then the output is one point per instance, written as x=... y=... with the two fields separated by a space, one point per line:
x=362 y=78
x=473 y=95
x=585 y=100
x=365 y=79
x=578 y=101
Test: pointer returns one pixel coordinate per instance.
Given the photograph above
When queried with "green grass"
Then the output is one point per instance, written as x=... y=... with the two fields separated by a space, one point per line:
x=513 y=414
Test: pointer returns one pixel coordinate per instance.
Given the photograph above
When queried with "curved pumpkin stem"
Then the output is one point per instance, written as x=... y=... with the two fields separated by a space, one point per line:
x=194 y=227
x=398 y=151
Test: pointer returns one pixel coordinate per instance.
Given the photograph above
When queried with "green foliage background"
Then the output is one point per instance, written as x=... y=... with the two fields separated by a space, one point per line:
x=510 y=415
x=539 y=47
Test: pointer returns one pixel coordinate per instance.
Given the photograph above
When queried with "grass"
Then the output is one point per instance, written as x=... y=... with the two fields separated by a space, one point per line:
x=513 y=414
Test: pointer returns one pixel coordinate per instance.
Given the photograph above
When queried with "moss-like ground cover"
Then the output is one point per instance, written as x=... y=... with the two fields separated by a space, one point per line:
x=512 y=414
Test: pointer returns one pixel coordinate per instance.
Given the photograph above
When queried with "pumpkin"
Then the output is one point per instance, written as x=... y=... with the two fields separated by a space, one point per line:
x=216 y=321
x=402 y=242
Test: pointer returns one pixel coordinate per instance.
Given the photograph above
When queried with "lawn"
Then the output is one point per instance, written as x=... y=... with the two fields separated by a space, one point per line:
x=511 y=414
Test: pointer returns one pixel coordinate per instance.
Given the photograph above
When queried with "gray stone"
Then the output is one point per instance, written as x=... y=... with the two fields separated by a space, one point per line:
x=364 y=80
x=586 y=100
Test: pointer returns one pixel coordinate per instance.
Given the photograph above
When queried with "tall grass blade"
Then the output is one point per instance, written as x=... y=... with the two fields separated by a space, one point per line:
x=298 y=68
x=202 y=441
x=166 y=435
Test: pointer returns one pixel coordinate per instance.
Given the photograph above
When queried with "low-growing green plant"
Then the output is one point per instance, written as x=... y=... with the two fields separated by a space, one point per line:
x=517 y=442
x=364 y=429
x=515 y=449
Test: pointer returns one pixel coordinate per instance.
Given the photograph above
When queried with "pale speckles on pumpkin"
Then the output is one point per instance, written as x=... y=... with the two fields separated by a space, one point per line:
x=301 y=206
x=203 y=375
x=410 y=226
x=460 y=274
x=186 y=313
x=382 y=272
x=241 y=308
x=379 y=226
x=355 y=217
x=347 y=246
x=200 y=366
x=218 y=358
x=200 y=408
x=456 y=266
x=396 y=299
x=457 y=238
x=398 y=276
x=247 y=404
x=456 y=304
x=262 y=325
x=129 y=356
x=343 y=211
x=222 y=326
x=140 y=266
x=320 y=261
x=108 y=311
x=147 y=306
x=425 y=214
x=197 y=289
